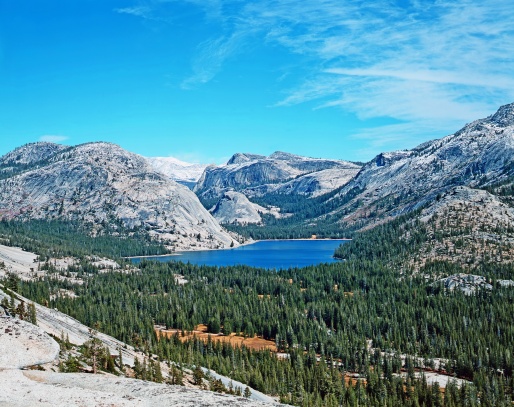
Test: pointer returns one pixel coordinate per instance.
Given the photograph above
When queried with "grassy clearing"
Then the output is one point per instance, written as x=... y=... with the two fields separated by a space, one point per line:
x=233 y=339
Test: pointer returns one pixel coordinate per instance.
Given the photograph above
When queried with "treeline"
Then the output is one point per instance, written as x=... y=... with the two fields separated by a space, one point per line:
x=329 y=310
x=55 y=238
x=305 y=379
x=391 y=242
x=360 y=316
x=308 y=216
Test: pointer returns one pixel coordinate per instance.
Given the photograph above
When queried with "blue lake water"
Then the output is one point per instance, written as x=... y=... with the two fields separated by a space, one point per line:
x=270 y=254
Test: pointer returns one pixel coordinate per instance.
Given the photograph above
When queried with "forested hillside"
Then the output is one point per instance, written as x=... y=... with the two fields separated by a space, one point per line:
x=57 y=239
x=358 y=332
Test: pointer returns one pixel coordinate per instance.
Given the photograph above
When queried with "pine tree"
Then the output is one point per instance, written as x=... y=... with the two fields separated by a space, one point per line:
x=120 y=360
x=198 y=375
x=93 y=350
x=32 y=315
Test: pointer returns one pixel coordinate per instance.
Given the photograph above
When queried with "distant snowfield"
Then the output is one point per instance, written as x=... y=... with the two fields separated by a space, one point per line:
x=177 y=170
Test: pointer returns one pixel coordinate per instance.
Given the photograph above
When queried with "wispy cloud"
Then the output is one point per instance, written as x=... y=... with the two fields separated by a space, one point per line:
x=211 y=57
x=439 y=62
x=138 y=11
x=50 y=138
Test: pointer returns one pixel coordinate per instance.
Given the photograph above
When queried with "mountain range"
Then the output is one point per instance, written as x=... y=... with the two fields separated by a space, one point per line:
x=434 y=211
x=478 y=156
x=280 y=172
x=101 y=182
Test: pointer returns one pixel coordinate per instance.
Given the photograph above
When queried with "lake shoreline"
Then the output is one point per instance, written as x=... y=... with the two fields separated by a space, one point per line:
x=270 y=254
x=177 y=253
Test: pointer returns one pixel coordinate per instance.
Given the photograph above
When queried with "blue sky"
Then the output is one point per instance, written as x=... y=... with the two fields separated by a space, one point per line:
x=202 y=79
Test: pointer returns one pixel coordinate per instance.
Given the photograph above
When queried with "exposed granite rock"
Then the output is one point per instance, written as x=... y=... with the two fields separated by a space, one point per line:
x=235 y=207
x=312 y=184
x=23 y=344
x=467 y=226
x=31 y=153
x=506 y=283
x=101 y=182
x=467 y=283
x=397 y=182
x=30 y=388
x=284 y=173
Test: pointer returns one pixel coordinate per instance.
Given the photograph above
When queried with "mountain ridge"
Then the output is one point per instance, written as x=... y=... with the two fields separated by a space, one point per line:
x=478 y=154
x=280 y=172
x=101 y=182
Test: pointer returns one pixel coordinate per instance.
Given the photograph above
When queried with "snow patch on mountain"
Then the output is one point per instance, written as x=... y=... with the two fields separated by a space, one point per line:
x=177 y=170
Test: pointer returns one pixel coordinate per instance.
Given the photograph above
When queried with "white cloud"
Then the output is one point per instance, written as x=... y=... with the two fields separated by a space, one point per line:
x=211 y=57
x=50 y=138
x=138 y=11
x=429 y=64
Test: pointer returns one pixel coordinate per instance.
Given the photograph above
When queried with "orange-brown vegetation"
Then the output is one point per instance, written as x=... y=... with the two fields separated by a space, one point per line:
x=353 y=378
x=261 y=296
x=200 y=332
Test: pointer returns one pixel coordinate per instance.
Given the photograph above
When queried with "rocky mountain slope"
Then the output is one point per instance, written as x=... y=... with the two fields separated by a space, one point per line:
x=28 y=345
x=478 y=155
x=282 y=173
x=236 y=207
x=101 y=182
x=31 y=347
x=177 y=170
x=468 y=226
x=31 y=388
x=29 y=155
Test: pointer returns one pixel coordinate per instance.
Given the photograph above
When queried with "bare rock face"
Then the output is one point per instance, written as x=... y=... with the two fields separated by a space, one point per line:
x=235 y=207
x=477 y=201
x=101 y=182
x=31 y=388
x=467 y=283
x=312 y=184
x=397 y=182
x=23 y=344
x=31 y=153
x=256 y=175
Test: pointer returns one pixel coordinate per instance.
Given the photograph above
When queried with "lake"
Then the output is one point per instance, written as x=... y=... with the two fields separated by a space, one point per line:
x=270 y=254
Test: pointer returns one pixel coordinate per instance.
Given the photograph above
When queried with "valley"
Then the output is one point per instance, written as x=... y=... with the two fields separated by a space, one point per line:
x=416 y=311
